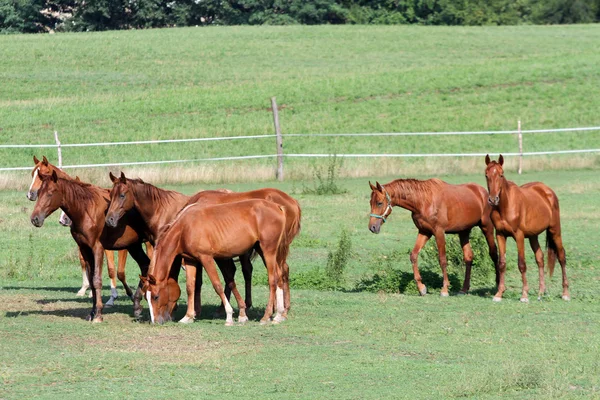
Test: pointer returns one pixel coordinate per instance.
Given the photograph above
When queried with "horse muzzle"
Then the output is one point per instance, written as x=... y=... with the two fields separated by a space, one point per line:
x=37 y=221
x=32 y=196
x=375 y=228
x=494 y=201
x=112 y=220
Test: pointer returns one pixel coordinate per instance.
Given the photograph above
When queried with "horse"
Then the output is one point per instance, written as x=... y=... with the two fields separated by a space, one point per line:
x=201 y=234
x=158 y=207
x=437 y=208
x=86 y=205
x=46 y=168
x=524 y=212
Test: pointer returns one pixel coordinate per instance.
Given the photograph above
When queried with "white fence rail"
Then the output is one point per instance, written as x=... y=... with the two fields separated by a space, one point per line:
x=280 y=136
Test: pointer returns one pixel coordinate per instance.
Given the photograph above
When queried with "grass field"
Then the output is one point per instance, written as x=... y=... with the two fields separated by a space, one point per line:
x=348 y=344
x=185 y=83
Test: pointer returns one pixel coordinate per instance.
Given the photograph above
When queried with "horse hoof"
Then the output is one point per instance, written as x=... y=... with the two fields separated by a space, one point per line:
x=186 y=320
x=229 y=323
x=265 y=321
x=566 y=298
x=423 y=291
x=110 y=302
x=242 y=320
x=278 y=319
x=462 y=293
x=524 y=300
x=81 y=293
x=91 y=294
x=444 y=294
x=97 y=320
x=497 y=299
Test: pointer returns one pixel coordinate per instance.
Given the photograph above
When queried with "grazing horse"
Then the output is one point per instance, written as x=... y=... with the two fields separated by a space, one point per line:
x=525 y=212
x=437 y=208
x=44 y=167
x=157 y=208
x=86 y=206
x=201 y=234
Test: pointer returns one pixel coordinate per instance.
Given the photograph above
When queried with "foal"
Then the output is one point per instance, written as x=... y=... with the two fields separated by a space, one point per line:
x=525 y=212
x=201 y=234
x=437 y=208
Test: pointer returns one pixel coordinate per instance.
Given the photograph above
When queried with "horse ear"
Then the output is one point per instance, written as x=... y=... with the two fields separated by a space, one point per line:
x=122 y=178
x=35 y=160
x=113 y=178
x=77 y=179
x=373 y=188
x=151 y=279
x=44 y=160
x=487 y=159
x=501 y=160
x=379 y=186
x=54 y=176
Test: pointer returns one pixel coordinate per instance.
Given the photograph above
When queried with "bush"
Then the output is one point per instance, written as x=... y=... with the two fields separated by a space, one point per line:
x=326 y=185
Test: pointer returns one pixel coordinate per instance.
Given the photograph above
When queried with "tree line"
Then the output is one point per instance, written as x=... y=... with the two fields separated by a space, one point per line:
x=33 y=16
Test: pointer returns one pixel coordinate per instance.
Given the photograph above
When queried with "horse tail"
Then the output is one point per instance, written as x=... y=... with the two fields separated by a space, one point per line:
x=283 y=245
x=552 y=251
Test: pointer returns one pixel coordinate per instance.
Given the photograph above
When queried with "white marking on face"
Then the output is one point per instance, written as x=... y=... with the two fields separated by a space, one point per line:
x=149 y=298
x=35 y=174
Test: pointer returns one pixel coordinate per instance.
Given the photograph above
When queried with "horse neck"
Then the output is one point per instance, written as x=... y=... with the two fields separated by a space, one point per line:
x=401 y=198
x=164 y=255
x=76 y=207
x=506 y=193
x=157 y=207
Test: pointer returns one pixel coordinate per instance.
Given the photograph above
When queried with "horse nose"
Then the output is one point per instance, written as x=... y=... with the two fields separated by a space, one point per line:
x=110 y=221
x=373 y=229
x=35 y=221
x=32 y=195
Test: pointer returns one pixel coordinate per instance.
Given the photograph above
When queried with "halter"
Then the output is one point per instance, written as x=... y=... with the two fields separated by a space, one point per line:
x=389 y=207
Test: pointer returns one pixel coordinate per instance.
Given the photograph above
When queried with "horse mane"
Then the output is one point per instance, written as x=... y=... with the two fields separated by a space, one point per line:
x=75 y=191
x=161 y=197
x=414 y=189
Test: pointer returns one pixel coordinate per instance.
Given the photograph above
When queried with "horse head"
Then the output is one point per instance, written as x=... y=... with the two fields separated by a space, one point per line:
x=40 y=167
x=161 y=296
x=381 y=207
x=494 y=175
x=121 y=200
x=48 y=199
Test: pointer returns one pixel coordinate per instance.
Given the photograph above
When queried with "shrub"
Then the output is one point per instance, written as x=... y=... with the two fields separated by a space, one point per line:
x=326 y=184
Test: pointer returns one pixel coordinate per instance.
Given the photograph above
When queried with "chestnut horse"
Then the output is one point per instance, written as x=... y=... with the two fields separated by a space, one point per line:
x=86 y=206
x=437 y=208
x=44 y=167
x=157 y=208
x=524 y=212
x=201 y=234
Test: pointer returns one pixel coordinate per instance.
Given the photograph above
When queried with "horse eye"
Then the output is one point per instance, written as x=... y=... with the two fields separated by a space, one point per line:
x=122 y=195
x=379 y=204
x=155 y=298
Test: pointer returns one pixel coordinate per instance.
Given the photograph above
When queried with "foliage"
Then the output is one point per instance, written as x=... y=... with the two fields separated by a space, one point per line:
x=326 y=185
x=97 y=15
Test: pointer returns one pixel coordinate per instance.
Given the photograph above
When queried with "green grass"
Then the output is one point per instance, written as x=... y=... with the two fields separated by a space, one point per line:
x=335 y=344
x=192 y=82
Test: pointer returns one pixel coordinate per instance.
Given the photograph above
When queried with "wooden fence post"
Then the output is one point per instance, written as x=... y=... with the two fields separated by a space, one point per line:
x=59 y=150
x=520 y=148
x=279 y=173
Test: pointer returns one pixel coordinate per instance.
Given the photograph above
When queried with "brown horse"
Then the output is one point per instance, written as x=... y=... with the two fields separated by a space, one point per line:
x=157 y=208
x=437 y=208
x=524 y=212
x=201 y=234
x=86 y=206
x=293 y=215
x=44 y=167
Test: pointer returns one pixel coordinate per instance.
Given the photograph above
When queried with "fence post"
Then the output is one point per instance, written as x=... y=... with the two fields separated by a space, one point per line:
x=59 y=150
x=520 y=148
x=279 y=173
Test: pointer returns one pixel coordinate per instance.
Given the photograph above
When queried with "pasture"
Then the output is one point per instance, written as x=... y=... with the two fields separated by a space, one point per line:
x=188 y=83
x=338 y=344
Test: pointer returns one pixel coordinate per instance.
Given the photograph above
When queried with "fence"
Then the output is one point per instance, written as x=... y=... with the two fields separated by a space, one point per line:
x=280 y=153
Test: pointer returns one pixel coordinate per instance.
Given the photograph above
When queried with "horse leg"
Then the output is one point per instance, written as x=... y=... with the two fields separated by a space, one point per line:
x=422 y=238
x=562 y=259
x=209 y=266
x=97 y=281
x=487 y=227
x=501 y=266
x=520 y=239
x=247 y=272
x=227 y=267
x=468 y=258
x=85 y=283
x=539 y=259
x=144 y=262
x=440 y=240
x=110 y=262
x=285 y=278
x=122 y=260
x=191 y=269
x=88 y=259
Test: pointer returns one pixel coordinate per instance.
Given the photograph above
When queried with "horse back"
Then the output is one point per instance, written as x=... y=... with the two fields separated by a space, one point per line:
x=463 y=204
